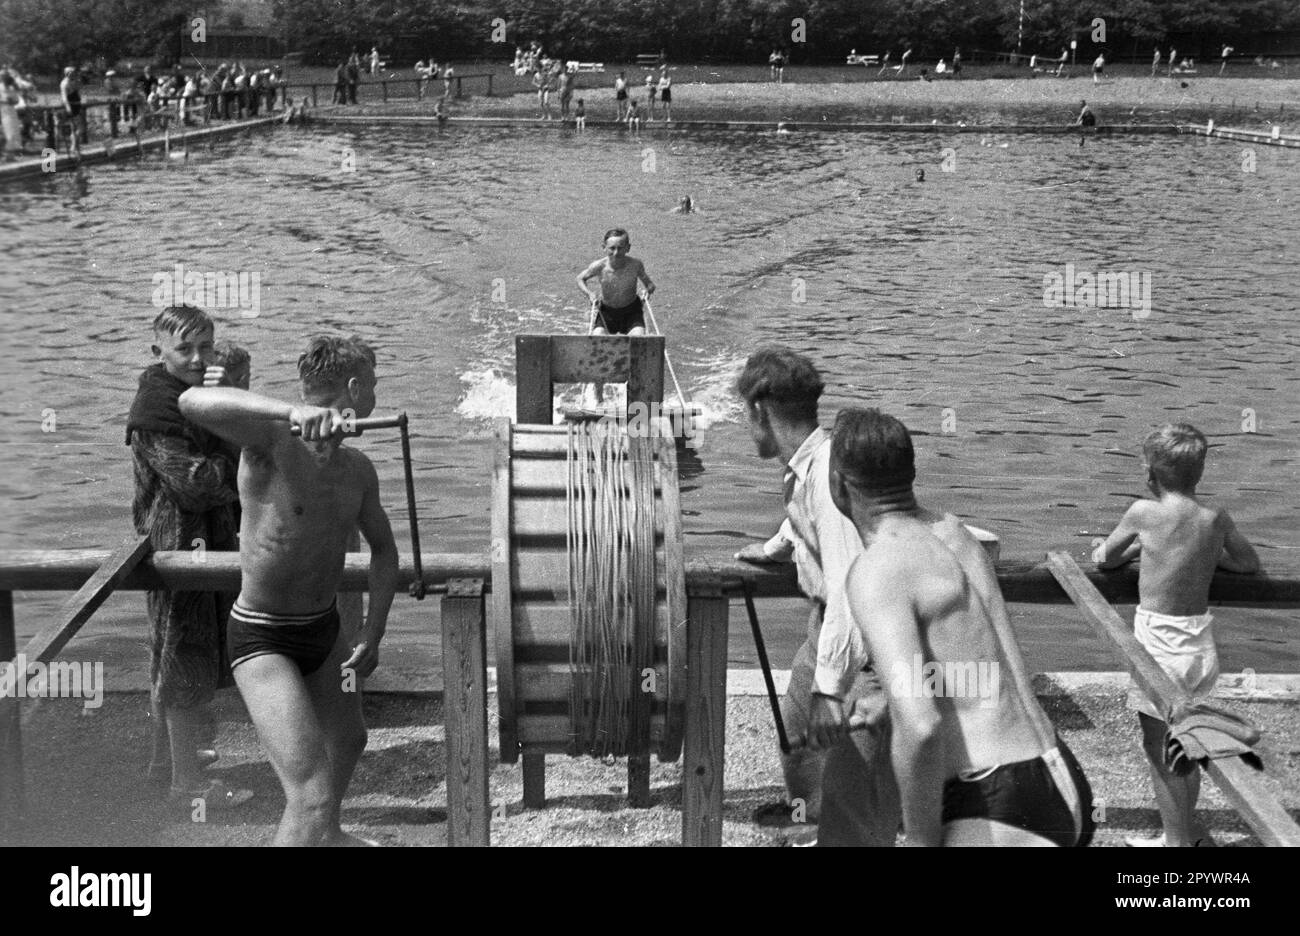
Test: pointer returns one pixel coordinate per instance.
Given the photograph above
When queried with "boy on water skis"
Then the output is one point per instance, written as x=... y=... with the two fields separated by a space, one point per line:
x=1181 y=542
x=616 y=307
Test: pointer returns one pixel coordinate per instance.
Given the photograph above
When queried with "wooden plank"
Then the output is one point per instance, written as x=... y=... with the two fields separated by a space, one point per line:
x=544 y=570
x=11 y=739
x=77 y=610
x=674 y=635
x=533 y=477
x=553 y=733
x=548 y=622
x=464 y=665
x=1026 y=582
x=645 y=379
x=590 y=358
x=534 y=382
x=641 y=490
x=1247 y=790
x=551 y=682
x=535 y=777
x=638 y=781
x=546 y=516
x=69 y=569
x=1244 y=787
x=706 y=716
x=503 y=592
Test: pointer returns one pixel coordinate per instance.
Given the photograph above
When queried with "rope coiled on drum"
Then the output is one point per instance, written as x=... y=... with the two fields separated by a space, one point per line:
x=611 y=553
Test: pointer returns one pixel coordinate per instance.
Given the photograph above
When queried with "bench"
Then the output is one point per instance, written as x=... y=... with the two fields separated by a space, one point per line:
x=869 y=60
x=576 y=66
x=648 y=60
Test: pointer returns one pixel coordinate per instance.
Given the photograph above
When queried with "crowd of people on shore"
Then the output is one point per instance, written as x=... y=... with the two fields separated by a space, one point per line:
x=150 y=99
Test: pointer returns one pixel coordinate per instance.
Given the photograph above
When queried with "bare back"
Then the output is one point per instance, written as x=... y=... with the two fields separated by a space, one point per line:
x=301 y=506
x=1182 y=541
x=934 y=639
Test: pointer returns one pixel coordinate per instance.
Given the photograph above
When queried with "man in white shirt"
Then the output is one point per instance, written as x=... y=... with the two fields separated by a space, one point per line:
x=850 y=790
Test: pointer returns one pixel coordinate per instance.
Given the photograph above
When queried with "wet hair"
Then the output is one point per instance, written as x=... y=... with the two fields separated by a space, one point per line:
x=1175 y=455
x=786 y=380
x=873 y=450
x=617 y=232
x=231 y=356
x=181 y=320
x=330 y=361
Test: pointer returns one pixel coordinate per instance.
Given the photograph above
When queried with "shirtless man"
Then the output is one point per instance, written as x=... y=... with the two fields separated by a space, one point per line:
x=977 y=761
x=302 y=499
x=616 y=308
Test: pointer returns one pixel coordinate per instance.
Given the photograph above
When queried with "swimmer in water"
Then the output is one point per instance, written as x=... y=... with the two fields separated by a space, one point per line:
x=920 y=175
x=1086 y=118
x=685 y=206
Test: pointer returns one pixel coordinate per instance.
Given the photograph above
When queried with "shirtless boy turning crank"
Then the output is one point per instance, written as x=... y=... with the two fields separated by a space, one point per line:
x=302 y=498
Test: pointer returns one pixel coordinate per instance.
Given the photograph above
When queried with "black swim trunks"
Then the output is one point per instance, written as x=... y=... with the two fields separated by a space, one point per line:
x=622 y=320
x=307 y=639
x=666 y=95
x=1048 y=796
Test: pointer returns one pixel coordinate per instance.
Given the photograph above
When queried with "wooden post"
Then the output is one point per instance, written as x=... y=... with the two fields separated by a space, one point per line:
x=384 y=85
x=464 y=663
x=11 y=739
x=645 y=378
x=534 y=389
x=706 y=713
x=314 y=102
x=1241 y=784
x=638 y=781
x=458 y=87
x=77 y=610
x=489 y=91
x=534 y=780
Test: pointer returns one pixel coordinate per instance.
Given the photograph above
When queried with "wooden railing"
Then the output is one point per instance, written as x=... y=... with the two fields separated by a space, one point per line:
x=463 y=578
x=366 y=90
x=107 y=119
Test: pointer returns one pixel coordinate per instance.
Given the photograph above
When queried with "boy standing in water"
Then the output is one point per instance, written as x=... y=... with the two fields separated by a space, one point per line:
x=1181 y=543
x=302 y=500
x=616 y=307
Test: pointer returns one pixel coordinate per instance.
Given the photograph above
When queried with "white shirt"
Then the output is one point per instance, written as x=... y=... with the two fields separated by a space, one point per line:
x=824 y=544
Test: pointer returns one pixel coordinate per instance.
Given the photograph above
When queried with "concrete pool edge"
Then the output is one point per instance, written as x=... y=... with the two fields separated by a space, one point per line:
x=767 y=126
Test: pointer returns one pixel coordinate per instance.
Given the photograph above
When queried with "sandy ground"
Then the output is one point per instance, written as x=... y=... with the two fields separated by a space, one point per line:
x=86 y=779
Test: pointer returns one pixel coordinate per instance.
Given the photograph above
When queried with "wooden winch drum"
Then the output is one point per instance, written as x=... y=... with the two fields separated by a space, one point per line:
x=531 y=601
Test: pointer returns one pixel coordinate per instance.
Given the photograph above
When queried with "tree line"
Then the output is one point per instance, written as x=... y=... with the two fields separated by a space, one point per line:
x=46 y=34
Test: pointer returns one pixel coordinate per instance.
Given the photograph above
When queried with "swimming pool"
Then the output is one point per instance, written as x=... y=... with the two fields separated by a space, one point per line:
x=924 y=298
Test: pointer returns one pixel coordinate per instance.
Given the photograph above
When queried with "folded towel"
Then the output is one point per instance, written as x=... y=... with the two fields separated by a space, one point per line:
x=1201 y=731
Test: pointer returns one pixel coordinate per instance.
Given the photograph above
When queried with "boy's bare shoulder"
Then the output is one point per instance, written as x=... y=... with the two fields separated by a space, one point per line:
x=358 y=463
x=1142 y=510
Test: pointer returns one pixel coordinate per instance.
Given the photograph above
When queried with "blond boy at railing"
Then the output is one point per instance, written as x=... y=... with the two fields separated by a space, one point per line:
x=1181 y=542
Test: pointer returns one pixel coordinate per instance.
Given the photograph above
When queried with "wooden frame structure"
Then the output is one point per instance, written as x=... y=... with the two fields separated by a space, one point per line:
x=697 y=618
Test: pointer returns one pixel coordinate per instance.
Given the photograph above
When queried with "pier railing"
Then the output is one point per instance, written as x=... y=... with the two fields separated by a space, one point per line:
x=52 y=127
x=463 y=578
x=382 y=90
